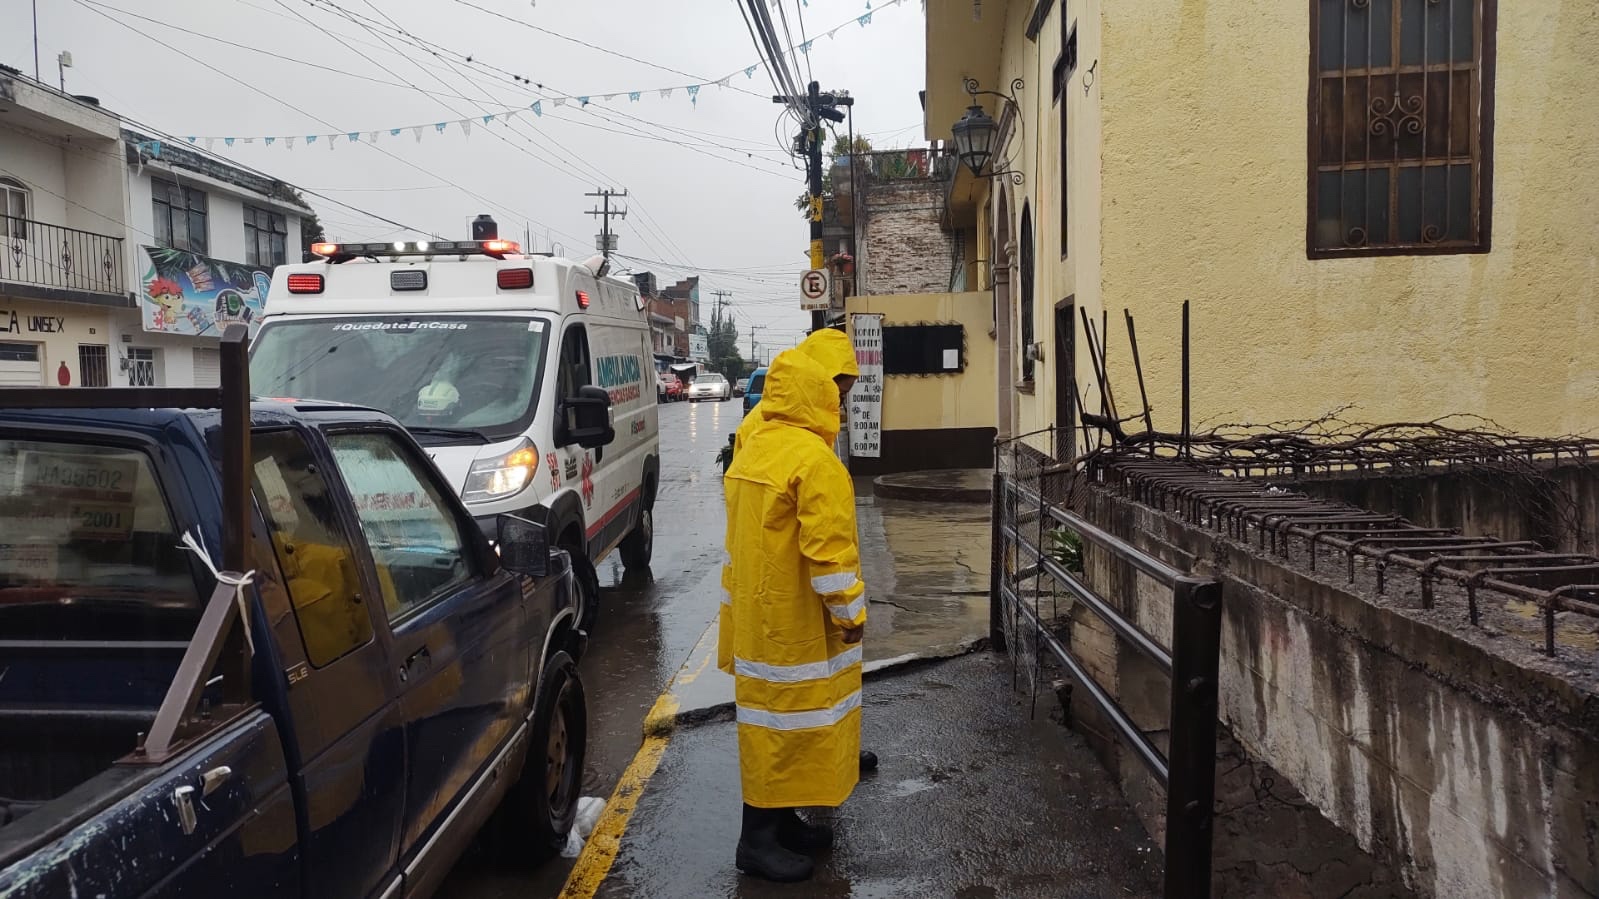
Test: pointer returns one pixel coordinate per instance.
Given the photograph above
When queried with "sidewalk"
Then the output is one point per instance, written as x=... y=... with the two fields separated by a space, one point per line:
x=926 y=572
x=976 y=798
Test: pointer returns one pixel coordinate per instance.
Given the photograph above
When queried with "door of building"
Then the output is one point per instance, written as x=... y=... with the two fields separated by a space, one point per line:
x=1065 y=388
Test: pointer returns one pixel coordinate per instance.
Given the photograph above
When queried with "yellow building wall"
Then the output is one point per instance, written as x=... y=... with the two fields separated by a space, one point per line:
x=1204 y=198
x=1035 y=152
x=936 y=402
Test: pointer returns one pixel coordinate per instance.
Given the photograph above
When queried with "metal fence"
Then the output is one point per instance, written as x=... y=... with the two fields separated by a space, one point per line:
x=1038 y=546
x=65 y=258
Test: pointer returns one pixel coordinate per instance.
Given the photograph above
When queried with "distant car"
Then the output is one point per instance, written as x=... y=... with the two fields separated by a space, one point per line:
x=752 y=390
x=710 y=386
x=739 y=385
x=668 y=389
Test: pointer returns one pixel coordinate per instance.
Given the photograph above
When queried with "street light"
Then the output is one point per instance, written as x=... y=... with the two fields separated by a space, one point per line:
x=976 y=132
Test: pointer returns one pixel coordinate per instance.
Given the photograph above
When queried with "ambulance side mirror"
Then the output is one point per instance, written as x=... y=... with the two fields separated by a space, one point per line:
x=590 y=418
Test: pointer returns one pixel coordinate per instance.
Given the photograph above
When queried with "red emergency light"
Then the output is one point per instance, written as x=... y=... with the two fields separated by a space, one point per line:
x=305 y=283
x=514 y=278
x=582 y=299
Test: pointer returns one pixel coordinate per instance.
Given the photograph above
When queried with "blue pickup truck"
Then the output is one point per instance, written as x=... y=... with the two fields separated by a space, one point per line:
x=260 y=649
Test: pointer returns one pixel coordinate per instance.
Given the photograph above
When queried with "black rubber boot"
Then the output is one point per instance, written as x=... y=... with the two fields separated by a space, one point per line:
x=761 y=855
x=868 y=761
x=800 y=836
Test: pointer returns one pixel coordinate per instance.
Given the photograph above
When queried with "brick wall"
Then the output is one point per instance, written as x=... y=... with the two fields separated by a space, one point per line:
x=903 y=247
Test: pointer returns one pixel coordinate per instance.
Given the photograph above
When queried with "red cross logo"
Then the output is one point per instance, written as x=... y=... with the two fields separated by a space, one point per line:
x=588 y=480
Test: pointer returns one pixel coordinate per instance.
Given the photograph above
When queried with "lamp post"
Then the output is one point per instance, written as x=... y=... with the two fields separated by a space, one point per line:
x=976 y=132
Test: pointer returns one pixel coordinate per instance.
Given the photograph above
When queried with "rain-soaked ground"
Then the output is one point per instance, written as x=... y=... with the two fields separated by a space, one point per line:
x=960 y=757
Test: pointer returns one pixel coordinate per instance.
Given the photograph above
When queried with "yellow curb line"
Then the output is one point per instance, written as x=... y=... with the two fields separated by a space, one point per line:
x=605 y=843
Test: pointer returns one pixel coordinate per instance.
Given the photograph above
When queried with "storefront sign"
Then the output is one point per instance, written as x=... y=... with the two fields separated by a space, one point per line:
x=699 y=347
x=866 y=397
x=13 y=322
x=186 y=293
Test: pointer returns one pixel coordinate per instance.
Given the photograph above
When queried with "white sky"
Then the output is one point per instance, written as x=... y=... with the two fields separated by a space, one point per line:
x=692 y=207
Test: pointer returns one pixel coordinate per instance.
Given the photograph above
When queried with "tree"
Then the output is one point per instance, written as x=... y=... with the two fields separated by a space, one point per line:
x=841 y=147
x=723 y=347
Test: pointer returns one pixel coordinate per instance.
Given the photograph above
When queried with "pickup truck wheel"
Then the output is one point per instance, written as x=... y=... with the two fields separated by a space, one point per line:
x=543 y=804
x=639 y=544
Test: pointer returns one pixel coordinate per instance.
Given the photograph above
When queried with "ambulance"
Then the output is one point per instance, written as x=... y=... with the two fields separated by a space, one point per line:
x=527 y=378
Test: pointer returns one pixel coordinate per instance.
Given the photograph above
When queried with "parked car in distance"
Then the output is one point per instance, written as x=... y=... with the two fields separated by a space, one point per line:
x=739 y=385
x=710 y=386
x=669 y=388
x=752 y=391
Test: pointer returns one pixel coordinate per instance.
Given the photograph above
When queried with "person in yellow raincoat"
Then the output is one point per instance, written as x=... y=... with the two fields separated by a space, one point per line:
x=835 y=353
x=797 y=613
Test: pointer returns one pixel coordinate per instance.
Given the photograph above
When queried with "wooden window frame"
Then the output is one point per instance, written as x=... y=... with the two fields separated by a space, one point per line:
x=1485 y=66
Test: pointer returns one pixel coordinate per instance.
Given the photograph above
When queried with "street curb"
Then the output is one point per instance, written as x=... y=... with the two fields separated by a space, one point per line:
x=680 y=711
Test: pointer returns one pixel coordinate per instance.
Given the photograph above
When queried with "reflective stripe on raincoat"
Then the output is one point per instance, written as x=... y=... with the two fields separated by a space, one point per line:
x=794 y=581
x=835 y=353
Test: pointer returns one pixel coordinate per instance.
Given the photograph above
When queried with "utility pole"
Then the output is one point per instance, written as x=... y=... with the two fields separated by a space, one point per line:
x=819 y=106
x=605 y=241
x=720 y=296
x=753 y=329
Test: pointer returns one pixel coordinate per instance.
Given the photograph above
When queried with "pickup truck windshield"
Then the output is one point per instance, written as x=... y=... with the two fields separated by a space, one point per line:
x=472 y=373
x=88 y=550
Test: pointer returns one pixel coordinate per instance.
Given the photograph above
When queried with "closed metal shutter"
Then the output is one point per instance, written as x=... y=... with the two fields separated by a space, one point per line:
x=20 y=365
x=207 y=367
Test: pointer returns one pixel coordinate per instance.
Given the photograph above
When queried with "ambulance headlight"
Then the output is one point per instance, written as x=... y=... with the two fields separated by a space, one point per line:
x=500 y=476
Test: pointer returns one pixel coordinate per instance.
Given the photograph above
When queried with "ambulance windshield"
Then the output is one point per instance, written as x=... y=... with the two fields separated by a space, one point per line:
x=467 y=373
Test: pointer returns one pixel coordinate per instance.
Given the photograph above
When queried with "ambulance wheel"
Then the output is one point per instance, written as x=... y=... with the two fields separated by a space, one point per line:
x=588 y=586
x=639 y=544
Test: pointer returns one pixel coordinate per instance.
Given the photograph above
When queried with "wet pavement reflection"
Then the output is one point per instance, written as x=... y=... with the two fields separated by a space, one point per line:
x=647 y=625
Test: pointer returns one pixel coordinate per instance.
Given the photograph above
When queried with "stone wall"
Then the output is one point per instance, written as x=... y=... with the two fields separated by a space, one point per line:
x=904 y=248
x=1462 y=759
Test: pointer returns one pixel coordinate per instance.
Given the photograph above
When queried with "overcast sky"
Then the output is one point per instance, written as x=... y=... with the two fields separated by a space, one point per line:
x=711 y=190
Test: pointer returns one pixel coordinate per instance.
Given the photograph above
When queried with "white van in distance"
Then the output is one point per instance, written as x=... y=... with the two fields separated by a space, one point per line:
x=522 y=375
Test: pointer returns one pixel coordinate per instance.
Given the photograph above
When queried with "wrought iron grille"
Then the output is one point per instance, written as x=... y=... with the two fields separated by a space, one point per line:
x=66 y=258
x=1397 y=155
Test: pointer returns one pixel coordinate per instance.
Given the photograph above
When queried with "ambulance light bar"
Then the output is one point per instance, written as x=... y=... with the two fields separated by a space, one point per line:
x=343 y=252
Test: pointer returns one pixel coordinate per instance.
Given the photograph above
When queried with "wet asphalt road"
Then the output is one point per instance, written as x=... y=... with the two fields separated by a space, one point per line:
x=647 y=626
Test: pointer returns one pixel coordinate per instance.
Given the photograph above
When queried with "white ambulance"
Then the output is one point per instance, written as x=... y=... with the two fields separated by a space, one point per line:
x=527 y=378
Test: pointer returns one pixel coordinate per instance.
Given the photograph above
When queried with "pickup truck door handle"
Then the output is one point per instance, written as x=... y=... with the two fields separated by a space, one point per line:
x=421 y=658
x=183 y=798
x=216 y=777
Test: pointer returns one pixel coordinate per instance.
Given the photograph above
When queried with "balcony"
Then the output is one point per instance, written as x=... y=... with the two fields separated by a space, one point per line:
x=55 y=263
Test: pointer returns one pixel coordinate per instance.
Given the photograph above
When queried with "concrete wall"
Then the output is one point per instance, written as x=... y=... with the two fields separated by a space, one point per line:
x=1556 y=506
x=1205 y=184
x=904 y=250
x=1466 y=761
x=225 y=213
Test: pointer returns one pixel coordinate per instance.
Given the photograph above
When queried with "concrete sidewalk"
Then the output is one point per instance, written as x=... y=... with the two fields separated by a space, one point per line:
x=975 y=798
x=926 y=572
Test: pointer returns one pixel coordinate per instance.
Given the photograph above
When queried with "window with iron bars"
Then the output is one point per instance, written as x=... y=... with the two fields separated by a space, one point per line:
x=1400 y=126
x=92 y=368
x=141 y=367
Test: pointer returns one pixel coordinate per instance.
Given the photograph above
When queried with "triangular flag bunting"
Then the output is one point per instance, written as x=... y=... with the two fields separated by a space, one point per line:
x=805 y=48
x=209 y=143
x=271 y=140
x=418 y=132
x=289 y=142
x=395 y=132
x=537 y=107
x=354 y=137
x=193 y=139
x=609 y=97
x=666 y=93
x=487 y=119
x=583 y=101
x=865 y=20
x=724 y=81
x=750 y=72
x=440 y=126
x=333 y=140
x=373 y=137
x=466 y=127
x=560 y=101
x=249 y=140
x=228 y=141
x=633 y=95
x=310 y=138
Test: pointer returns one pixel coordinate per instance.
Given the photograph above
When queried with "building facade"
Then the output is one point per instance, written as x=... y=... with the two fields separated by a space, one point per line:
x=124 y=255
x=1384 y=205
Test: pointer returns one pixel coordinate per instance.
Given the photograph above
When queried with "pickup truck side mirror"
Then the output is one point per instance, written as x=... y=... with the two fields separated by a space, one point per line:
x=524 y=546
x=591 y=424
